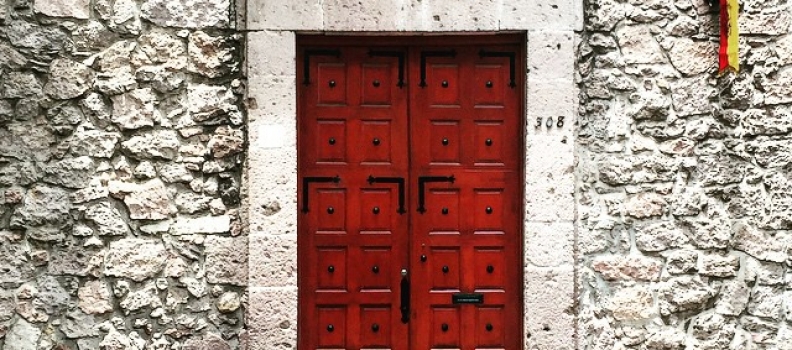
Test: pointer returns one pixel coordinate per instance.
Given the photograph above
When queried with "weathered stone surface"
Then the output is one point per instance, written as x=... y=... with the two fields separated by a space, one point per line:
x=713 y=331
x=23 y=336
x=666 y=338
x=209 y=103
x=107 y=220
x=659 y=236
x=681 y=261
x=94 y=143
x=210 y=56
x=155 y=144
x=632 y=303
x=712 y=232
x=228 y=302
x=187 y=13
x=758 y=244
x=638 y=45
x=719 y=170
x=692 y=57
x=191 y=203
x=135 y=258
x=226 y=141
x=619 y=171
x=68 y=79
x=175 y=172
x=645 y=205
x=149 y=201
x=19 y=85
x=135 y=109
x=684 y=293
x=628 y=268
x=70 y=172
x=11 y=58
x=224 y=263
x=766 y=302
x=14 y=265
x=733 y=298
x=42 y=205
x=692 y=96
x=40 y=39
x=79 y=325
x=95 y=298
x=146 y=297
x=718 y=265
x=209 y=341
x=64 y=8
x=72 y=259
x=160 y=48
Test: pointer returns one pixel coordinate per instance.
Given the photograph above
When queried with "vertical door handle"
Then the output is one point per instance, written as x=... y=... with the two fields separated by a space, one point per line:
x=405 y=297
x=422 y=180
x=391 y=180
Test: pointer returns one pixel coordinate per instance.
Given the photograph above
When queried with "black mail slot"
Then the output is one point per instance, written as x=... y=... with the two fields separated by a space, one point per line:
x=467 y=298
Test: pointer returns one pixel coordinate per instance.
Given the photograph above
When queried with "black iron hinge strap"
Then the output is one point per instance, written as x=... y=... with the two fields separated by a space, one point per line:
x=425 y=54
x=392 y=180
x=422 y=180
x=316 y=52
x=318 y=179
x=512 y=63
x=397 y=54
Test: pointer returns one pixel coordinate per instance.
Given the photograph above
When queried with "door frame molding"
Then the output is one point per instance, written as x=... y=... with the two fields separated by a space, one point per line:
x=270 y=181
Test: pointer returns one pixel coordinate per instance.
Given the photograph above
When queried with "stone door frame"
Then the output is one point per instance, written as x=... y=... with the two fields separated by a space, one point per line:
x=271 y=172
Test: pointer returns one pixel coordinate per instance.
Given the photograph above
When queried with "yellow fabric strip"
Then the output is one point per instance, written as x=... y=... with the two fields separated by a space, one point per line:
x=734 y=35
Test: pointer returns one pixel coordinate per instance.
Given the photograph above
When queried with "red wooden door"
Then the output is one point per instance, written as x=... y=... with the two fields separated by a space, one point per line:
x=409 y=234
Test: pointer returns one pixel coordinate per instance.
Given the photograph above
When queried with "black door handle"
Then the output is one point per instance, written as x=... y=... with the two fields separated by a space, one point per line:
x=405 y=297
x=422 y=180
x=392 y=180
x=307 y=182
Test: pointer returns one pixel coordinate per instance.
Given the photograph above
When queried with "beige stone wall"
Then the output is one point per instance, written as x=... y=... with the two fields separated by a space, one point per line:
x=271 y=168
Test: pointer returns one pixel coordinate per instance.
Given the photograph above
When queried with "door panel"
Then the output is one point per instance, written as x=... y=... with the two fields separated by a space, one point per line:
x=409 y=160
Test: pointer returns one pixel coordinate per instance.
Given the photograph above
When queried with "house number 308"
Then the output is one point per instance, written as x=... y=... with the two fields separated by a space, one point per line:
x=549 y=122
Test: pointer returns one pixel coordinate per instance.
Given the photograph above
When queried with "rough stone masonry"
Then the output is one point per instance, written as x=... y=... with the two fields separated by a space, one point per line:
x=122 y=145
x=684 y=178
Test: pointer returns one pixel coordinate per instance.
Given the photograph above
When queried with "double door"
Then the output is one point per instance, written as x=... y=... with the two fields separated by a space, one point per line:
x=410 y=196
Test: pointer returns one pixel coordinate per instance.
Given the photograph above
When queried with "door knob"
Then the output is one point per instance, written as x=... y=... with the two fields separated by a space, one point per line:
x=405 y=297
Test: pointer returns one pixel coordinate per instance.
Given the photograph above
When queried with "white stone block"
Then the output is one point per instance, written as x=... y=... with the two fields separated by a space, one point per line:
x=273 y=260
x=538 y=14
x=271 y=53
x=549 y=178
x=441 y=15
x=272 y=98
x=272 y=318
x=370 y=15
x=284 y=15
x=551 y=99
x=549 y=244
x=549 y=308
x=551 y=55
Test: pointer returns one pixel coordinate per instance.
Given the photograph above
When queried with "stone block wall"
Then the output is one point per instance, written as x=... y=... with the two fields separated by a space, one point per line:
x=121 y=142
x=683 y=178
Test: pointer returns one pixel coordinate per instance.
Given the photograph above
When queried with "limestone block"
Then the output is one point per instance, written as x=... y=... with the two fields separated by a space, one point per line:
x=148 y=201
x=72 y=259
x=95 y=298
x=633 y=267
x=637 y=169
x=210 y=104
x=632 y=303
x=63 y=8
x=733 y=298
x=23 y=336
x=226 y=260
x=680 y=261
x=551 y=55
x=550 y=100
x=549 y=178
x=70 y=172
x=42 y=205
x=373 y=15
x=645 y=205
x=766 y=302
x=285 y=15
x=153 y=144
x=638 y=45
x=669 y=338
x=10 y=57
x=754 y=122
x=19 y=85
x=269 y=53
x=692 y=95
x=108 y=220
x=271 y=99
x=549 y=245
x=692 y=57
x=779 y=88
x=272 y=317
x=684 y=293
x=187 y=13
x=13 y=259
x=135 y=109
x=68 y=79
x=210 y=56
x=94 y=143
x=135 y=258
x=549 y=307
x=718 y=265
x=454 y=16
x=772 y=21
x=539 y=15
x=659 y=236
x=758 y=243
x=273 y=260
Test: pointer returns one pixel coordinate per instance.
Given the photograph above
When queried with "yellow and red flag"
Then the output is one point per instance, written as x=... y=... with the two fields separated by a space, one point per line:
x=729 y=55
